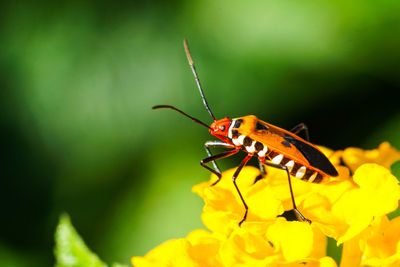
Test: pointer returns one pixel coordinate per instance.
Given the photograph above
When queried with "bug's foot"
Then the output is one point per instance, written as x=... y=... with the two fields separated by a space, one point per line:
x=304 y=219
x=294 y=215
x=259 y=177
x=216 y=182
x=244 y=218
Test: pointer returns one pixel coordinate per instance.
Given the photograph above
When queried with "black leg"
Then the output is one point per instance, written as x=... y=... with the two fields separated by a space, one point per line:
x=300 y=127
x=263 y=171
x=261 y=167
x=225 y=154
x=235 y=175
x=215 y=143
x=283 y=167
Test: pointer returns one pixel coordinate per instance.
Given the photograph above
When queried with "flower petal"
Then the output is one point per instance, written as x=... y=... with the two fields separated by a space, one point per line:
x=170 y=253
x=382 y=243
x=204 y=248
x=378 y=194
x=384 y=155
x=351 y=254
x=294 y=239
x=247 y=246
x=262 y=203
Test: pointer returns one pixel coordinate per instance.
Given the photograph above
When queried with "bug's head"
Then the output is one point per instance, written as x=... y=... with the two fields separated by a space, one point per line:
x=220 y=127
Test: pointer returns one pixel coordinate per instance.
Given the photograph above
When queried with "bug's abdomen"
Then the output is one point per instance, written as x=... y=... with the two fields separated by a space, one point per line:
x=295 y=169
x=261 y=150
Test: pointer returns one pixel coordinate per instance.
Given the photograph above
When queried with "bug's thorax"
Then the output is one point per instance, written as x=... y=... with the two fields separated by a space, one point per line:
x=239 y=131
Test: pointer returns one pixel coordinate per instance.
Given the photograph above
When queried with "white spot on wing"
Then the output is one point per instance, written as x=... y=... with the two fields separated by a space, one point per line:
x=263 y=152
x=312 y=177
x=277 y=159
x=290 y=165
x=300 y=172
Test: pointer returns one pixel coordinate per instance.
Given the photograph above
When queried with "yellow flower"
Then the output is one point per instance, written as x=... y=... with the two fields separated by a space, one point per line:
x=378 y=245
x=199 y=248
x=223 y=208
x=384 y=155
x=378 y=194
x=280 y=243
x=381 y=244
x=350 y=209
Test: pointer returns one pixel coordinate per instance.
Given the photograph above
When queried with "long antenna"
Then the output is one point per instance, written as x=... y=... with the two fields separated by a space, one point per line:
x=183 y=113
x=189 y=57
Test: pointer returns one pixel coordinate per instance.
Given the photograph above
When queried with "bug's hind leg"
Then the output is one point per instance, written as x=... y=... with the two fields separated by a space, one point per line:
x=300 y=127
x=212 y=158
x=283 y=167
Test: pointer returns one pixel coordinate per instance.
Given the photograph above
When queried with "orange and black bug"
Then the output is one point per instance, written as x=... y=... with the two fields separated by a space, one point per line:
x=273 y=146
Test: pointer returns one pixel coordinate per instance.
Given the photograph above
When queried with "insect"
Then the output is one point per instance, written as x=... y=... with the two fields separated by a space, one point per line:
x=273 y=146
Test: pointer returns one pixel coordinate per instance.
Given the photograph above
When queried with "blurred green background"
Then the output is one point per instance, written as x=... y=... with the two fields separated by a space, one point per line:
x=78 y=80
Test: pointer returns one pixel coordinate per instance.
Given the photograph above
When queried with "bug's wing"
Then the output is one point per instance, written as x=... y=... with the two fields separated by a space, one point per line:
x=293 y=146
x=313 y=155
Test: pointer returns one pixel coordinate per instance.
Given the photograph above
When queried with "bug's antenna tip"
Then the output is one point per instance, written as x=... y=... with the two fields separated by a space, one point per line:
x=159 y=106
x=189 y=57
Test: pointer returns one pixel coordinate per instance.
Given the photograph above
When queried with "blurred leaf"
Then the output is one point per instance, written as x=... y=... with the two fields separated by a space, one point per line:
x=71 y=250
x=333 y=250
x=395 y=168
x=11 y=258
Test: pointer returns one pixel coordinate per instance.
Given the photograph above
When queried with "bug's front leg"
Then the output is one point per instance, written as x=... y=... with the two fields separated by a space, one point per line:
x=283 y=167
x=218 y=143
x=212 y=158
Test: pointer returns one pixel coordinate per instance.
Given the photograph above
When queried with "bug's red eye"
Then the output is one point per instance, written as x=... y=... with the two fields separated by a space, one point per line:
x=222 y=128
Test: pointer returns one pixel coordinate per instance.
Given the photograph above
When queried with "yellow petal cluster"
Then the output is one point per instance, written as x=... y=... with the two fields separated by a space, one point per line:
x=351 y=208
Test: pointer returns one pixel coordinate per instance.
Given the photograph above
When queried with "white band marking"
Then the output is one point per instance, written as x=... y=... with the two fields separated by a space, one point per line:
x=300 y=172
x=277 y=159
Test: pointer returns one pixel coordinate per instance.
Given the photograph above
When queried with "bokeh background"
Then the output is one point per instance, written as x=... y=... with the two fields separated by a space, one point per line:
x=78 y=80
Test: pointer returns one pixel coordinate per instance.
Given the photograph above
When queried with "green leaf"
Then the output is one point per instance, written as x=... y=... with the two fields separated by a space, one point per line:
x=395 y=169
x=70 y=249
